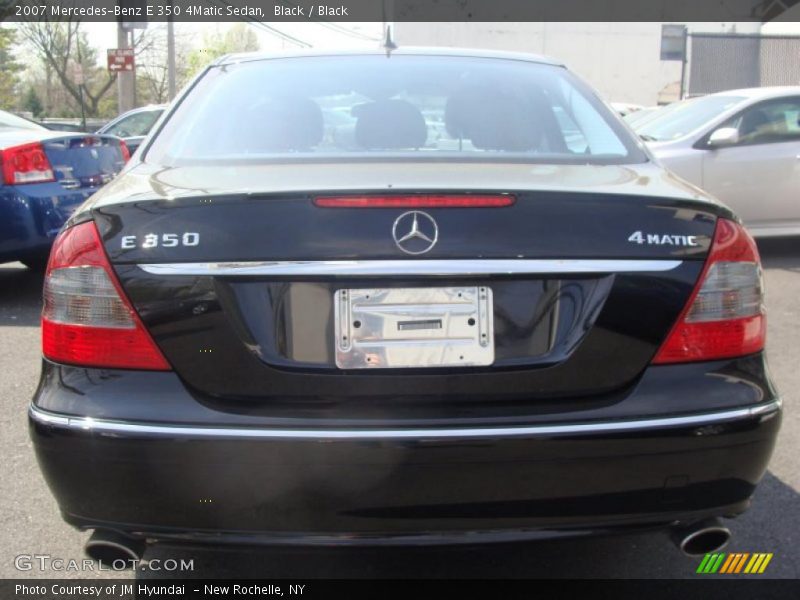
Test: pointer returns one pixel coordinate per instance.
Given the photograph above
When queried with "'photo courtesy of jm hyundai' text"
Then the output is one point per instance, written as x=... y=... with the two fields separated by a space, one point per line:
x=403 y=300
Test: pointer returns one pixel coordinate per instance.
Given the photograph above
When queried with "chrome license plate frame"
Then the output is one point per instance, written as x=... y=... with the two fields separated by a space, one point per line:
x=424 y=327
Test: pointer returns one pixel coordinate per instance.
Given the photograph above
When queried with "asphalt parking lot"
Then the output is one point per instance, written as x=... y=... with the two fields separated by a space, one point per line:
x=30 y=523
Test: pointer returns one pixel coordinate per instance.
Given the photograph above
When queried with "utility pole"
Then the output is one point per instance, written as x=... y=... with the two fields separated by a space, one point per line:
x=80 y=82
x=170 y=59
x=125 y=79
x=83 y=108
x=682 y=93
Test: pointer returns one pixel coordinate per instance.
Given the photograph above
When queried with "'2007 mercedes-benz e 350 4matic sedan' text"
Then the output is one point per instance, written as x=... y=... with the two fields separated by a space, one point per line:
x=424 y=297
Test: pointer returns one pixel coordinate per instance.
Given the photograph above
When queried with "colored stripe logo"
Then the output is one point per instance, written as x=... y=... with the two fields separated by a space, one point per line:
x=734 y=563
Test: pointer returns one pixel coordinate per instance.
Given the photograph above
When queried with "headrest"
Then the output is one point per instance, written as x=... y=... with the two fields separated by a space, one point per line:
x=288 y=123
x=389 y=125
x=494 y=119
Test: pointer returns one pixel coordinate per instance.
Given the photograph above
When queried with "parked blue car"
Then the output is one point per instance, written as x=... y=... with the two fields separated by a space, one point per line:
x=45 y=176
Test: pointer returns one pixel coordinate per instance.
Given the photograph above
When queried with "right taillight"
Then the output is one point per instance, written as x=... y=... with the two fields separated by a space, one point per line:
x=725 y=316
x=87 y=320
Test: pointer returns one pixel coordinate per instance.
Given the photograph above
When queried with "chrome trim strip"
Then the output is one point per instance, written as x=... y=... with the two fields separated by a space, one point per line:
x=103 y=426
x=421 y=267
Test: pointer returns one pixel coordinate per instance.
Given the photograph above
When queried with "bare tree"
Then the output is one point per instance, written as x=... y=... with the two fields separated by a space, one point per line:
x=60 y=46
x=151 y=63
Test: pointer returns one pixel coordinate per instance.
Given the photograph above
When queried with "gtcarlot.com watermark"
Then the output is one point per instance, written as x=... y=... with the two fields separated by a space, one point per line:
x=46 y=563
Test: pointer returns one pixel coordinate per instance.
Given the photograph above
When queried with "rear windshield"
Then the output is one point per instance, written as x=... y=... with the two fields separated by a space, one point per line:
x=405 y=106
x=9 y=121
x=139 y=123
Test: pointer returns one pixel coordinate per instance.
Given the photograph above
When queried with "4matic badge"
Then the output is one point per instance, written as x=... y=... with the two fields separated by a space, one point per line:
x=662 y=239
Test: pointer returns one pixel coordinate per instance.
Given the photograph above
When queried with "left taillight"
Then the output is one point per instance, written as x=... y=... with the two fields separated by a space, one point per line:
x=87 y=320
x=26 y=164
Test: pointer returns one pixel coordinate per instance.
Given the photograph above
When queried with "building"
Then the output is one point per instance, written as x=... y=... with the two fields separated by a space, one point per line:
x=621 y=60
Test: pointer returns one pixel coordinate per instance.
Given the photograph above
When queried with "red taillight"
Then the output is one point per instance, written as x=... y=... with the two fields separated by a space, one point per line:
x=126 y=152
x=26 y=164
x=87 y=320
x=725 y=316
x=416 y=201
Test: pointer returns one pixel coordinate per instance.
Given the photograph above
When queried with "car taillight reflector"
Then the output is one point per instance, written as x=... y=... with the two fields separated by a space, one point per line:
x=725 y=316
x=126 y=152
x=84 y=296
x=87 y=320
x=417 y=201
x=26 y=164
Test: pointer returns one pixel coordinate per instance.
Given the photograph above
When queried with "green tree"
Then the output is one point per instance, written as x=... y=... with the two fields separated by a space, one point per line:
x=238 y=38
x=32 y=102
x=9 y=69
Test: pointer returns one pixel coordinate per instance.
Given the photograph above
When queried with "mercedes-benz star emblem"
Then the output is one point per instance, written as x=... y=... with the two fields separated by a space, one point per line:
x=415 y=232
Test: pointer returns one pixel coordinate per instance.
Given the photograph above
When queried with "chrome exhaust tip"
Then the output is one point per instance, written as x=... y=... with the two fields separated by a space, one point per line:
x=701 y=537
x=114 y=549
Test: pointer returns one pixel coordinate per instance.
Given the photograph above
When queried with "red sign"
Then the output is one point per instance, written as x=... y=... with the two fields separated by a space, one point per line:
x=121 y=59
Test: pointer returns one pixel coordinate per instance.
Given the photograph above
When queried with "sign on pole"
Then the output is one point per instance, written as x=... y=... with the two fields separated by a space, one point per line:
x=131 y=25
x=77 y=75
x=121 y=59
x=673 y=42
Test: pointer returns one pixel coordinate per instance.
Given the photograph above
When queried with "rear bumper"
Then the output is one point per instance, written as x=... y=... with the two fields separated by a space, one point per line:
x=32 y=216
x=282 y=485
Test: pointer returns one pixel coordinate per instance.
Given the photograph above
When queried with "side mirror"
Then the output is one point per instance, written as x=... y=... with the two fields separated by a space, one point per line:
x=724 y=136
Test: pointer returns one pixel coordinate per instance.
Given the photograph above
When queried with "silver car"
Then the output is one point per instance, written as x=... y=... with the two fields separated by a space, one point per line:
x=134 y=125
x=742 y=146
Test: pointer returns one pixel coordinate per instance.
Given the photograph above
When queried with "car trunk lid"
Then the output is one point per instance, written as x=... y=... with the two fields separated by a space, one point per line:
x=84 y=160
x=238 y=291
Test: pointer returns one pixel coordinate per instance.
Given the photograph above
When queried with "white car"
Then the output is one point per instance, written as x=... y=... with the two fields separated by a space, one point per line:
x=742 y=146
x=624 y=109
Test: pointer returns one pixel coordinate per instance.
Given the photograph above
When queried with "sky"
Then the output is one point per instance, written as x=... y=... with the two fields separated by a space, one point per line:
x=338 y=35
x=326 y=35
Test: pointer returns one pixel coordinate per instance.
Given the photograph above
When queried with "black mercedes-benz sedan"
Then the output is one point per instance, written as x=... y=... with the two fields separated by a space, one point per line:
x=413 y=296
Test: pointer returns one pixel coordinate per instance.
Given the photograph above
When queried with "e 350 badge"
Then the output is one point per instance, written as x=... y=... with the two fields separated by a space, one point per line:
x=165 y=240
